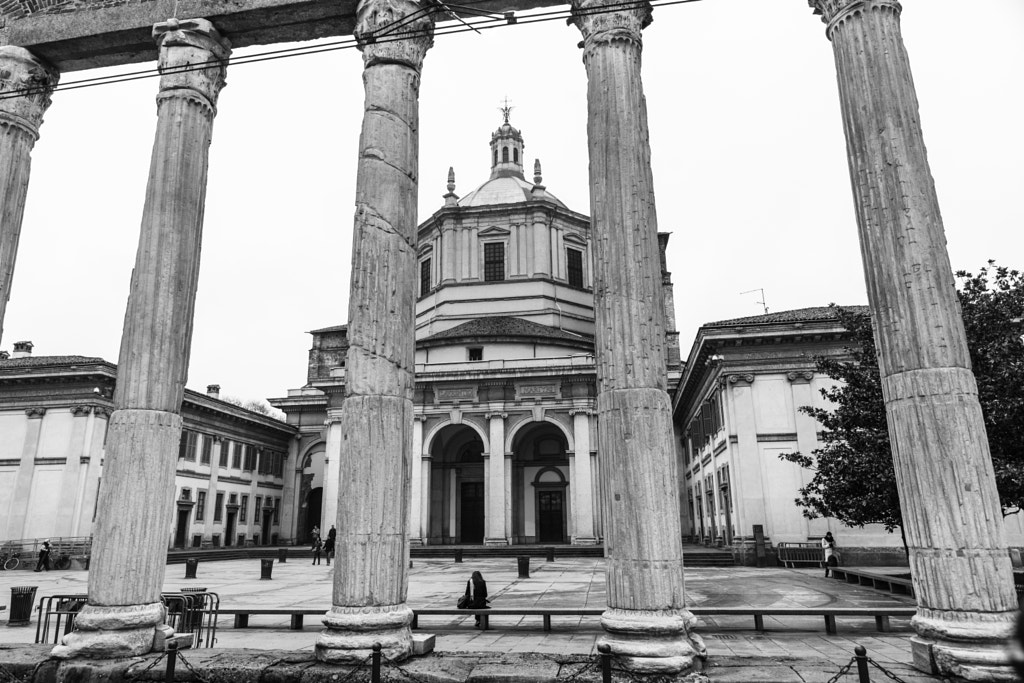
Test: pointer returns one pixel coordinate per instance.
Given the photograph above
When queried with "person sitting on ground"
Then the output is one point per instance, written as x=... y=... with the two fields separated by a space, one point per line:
x=479 y=600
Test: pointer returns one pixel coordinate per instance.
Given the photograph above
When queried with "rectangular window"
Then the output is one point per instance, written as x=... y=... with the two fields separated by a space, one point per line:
x=183 y=444
x=256 y=510
x=218 y=511
x=424 y=277
x=243 y=509
x=278 y=464
x=494 y=261
x=225 y=447
x=277 y=511
x=476 y=353
x=190 y=447
x=574 y=267
x=200 y=506
x=236 y=458
x=250 y=458
x=204 y=454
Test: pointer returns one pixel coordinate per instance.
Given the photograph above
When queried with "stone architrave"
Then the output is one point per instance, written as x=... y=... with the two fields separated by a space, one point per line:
x=952 y=518
x=370 y=578
x=646 y=623
x=135 y=508
x=26 y=84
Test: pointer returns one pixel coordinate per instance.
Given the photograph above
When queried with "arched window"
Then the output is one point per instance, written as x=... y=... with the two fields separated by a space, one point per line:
x=504 y=155
x=495 y=156
x=515 y=155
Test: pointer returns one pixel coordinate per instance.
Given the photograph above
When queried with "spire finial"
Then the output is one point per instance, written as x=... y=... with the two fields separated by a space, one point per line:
x=451 y=179
x=507 y=109
x=537 y=179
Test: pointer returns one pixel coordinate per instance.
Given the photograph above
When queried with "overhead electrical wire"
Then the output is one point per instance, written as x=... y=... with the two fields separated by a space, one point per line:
x=385 y=34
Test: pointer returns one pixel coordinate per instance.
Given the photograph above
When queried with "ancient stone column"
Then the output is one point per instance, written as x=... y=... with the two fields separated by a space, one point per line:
x=951 y=513
x=26 y=84
x=136 y=503
x=495 y=480
x=646 y=623
x=371 y=580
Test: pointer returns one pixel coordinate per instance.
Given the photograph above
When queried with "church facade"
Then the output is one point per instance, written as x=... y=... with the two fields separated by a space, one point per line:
x=504 y=438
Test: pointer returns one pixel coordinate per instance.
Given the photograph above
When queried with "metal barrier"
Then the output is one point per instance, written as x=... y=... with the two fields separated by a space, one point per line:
x=194 y=610
x=791 y=554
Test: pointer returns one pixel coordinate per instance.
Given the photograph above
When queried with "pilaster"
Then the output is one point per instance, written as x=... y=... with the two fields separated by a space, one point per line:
x=136 y=506
x=646 y=623
x=18 y=510
x=371 y=579
x=332 y=472
x=582 y=479
x=416 y=483
x=495 y=490
x=20 y=118
x=958 y=552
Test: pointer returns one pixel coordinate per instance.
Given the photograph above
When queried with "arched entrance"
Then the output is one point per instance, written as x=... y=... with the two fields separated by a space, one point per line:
x=311 y=493
x=314 y=510
x=457 y=504
x=540 y=485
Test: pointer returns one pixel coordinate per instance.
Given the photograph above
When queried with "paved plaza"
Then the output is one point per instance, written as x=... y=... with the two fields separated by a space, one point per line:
x=791 y=648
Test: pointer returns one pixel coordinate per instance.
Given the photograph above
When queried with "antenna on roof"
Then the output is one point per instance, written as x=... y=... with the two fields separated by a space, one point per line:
x=762 y=301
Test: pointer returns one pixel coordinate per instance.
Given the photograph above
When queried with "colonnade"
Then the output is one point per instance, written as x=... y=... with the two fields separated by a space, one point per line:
x=950 y=505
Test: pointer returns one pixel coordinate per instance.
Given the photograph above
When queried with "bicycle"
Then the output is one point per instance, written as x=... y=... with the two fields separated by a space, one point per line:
x=10 y=560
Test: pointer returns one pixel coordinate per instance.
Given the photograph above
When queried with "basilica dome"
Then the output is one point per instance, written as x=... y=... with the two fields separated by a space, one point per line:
x=506 y=189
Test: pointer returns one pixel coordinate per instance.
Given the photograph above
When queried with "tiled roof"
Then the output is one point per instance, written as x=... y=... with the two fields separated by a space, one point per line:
x=796 y=315
x=39 y=361
x=504 y=326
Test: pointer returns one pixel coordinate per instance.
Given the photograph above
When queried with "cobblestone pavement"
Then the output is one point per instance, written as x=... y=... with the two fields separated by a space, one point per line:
x=791 y=648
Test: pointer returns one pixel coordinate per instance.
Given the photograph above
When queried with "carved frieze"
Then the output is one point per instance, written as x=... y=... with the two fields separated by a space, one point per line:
x=537 y=391
x=393 y=31
x=453 y=394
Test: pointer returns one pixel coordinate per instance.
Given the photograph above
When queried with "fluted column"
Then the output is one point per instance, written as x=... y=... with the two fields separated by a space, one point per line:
x=951 y=513
x=21 y=115
x=371 y=579
x=332 y=474
x=136 y=500
x=646 y=623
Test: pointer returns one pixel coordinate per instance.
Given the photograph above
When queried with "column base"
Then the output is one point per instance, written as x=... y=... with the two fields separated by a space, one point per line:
x=496 y=541
x=967 y=646
x=416 y=542
x=653 y=641
x=112 y=632
x=352 y=632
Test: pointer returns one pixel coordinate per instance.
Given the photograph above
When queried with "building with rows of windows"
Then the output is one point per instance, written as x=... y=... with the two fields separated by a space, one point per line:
x=230 y=483
x=504 y=439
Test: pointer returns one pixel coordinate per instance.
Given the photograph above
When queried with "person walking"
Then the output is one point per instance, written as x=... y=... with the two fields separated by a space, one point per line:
x=318 y=546
x=828 y=546
x=44 y=557
x=329 y=547
x=479 y=600
x=316 y=531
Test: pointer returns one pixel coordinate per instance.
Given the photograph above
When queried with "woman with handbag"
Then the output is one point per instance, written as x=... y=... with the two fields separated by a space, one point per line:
x=478 y=598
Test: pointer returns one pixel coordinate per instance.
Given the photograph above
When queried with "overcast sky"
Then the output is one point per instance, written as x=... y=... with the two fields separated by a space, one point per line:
x=749 y=161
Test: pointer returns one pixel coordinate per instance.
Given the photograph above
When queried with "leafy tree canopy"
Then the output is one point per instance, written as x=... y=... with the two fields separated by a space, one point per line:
x=854 y=480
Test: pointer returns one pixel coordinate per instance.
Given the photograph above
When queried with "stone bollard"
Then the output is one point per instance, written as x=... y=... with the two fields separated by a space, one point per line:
x=22 y=598
x=190 y=567
x=549 y=554
x=266 y=569
x=458 y=555
x=282 y=554
x=524 y=566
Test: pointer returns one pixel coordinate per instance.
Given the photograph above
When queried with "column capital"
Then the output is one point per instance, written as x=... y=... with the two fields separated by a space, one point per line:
x=603 y=26
x=185 y=44
x=495 y=416
x=382 y=42
x=834 y=12
x=800 y=376
x=582 y=411
x=21 y=71
x=35 y=413
x=80 y=410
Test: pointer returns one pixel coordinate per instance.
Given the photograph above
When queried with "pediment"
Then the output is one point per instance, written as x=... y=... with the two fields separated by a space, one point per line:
x=573 y=238
x=494 y=231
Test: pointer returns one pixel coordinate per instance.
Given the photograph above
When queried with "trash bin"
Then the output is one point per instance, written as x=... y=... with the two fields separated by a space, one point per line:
x=524 y=566
x=190 y=567
x=266 y=569
x=22 y=598
x=549 y=554
x=458 y=554
x=282 y=554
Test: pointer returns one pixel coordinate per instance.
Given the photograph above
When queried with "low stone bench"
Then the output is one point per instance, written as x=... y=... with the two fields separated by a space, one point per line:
x=893 y=584
x=881 y=614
